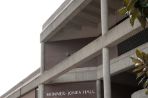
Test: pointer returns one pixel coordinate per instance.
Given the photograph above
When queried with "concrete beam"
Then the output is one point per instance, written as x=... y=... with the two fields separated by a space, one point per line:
x=121 y=32
x=62 y=19
x=121 y=63
x=15 y=91
x=78 y=74
x=56 y=13
x=72 y=33
x=16 y=94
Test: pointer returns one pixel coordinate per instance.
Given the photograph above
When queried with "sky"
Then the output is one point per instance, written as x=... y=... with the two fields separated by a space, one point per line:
x=20 y=27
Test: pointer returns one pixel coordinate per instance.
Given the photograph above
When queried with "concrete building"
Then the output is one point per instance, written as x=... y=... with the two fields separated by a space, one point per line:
x=86 y=47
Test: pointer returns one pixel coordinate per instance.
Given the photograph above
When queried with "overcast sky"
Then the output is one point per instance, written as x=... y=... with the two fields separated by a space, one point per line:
x=20 y=27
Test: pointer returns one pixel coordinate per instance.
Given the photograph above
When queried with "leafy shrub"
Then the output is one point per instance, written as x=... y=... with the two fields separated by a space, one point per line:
x=141 y=68
x=136 y=9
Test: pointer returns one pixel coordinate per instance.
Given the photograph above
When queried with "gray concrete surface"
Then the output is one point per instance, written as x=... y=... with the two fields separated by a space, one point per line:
x=118 y=65
x=58 y=72
x=62 y=19
x=139 y=94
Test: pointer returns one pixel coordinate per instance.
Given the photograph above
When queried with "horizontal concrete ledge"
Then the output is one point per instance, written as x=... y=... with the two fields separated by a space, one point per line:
x=57 y=13
x=121 y=63
x=14 y=91
x=14 y=95
x=67 y=14
x=139 y=94
x=77 y=75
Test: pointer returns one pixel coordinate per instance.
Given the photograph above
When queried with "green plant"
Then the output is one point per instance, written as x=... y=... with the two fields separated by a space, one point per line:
x=136 y=9
x=141 y=68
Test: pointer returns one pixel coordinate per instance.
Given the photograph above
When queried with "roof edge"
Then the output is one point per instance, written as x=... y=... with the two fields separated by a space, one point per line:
x=72 y=8
x=56 y=13
x=21 y=83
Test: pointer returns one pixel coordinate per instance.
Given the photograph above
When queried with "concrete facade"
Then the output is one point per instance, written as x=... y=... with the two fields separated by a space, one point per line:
x=80 y=45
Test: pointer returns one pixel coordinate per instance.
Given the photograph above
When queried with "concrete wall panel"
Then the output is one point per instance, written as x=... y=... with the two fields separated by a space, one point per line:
x=30 y=94
x=58 y=51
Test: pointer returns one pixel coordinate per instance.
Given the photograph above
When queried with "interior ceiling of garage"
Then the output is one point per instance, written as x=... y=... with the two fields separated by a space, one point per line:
x=87 y=23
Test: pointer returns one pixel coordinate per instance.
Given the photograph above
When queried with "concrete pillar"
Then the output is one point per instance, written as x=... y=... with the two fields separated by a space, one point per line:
x=106 y=73
x=104 y=16
x=41 y=91
x=42 y=68
x=98 y=88
x=105 y=51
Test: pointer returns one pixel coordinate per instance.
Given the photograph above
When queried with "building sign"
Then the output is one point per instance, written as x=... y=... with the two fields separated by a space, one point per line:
x=71 y=90
x=71 y=93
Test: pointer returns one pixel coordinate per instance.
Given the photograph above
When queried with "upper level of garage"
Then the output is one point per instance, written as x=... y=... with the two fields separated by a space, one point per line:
x=76 y=19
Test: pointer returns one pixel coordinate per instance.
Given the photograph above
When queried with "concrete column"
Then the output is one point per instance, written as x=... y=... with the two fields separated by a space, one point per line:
x=98 y=88
x=105 y=51
x=104 y=16
x=42 y=68
x=106 y=73
x=41 y=91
